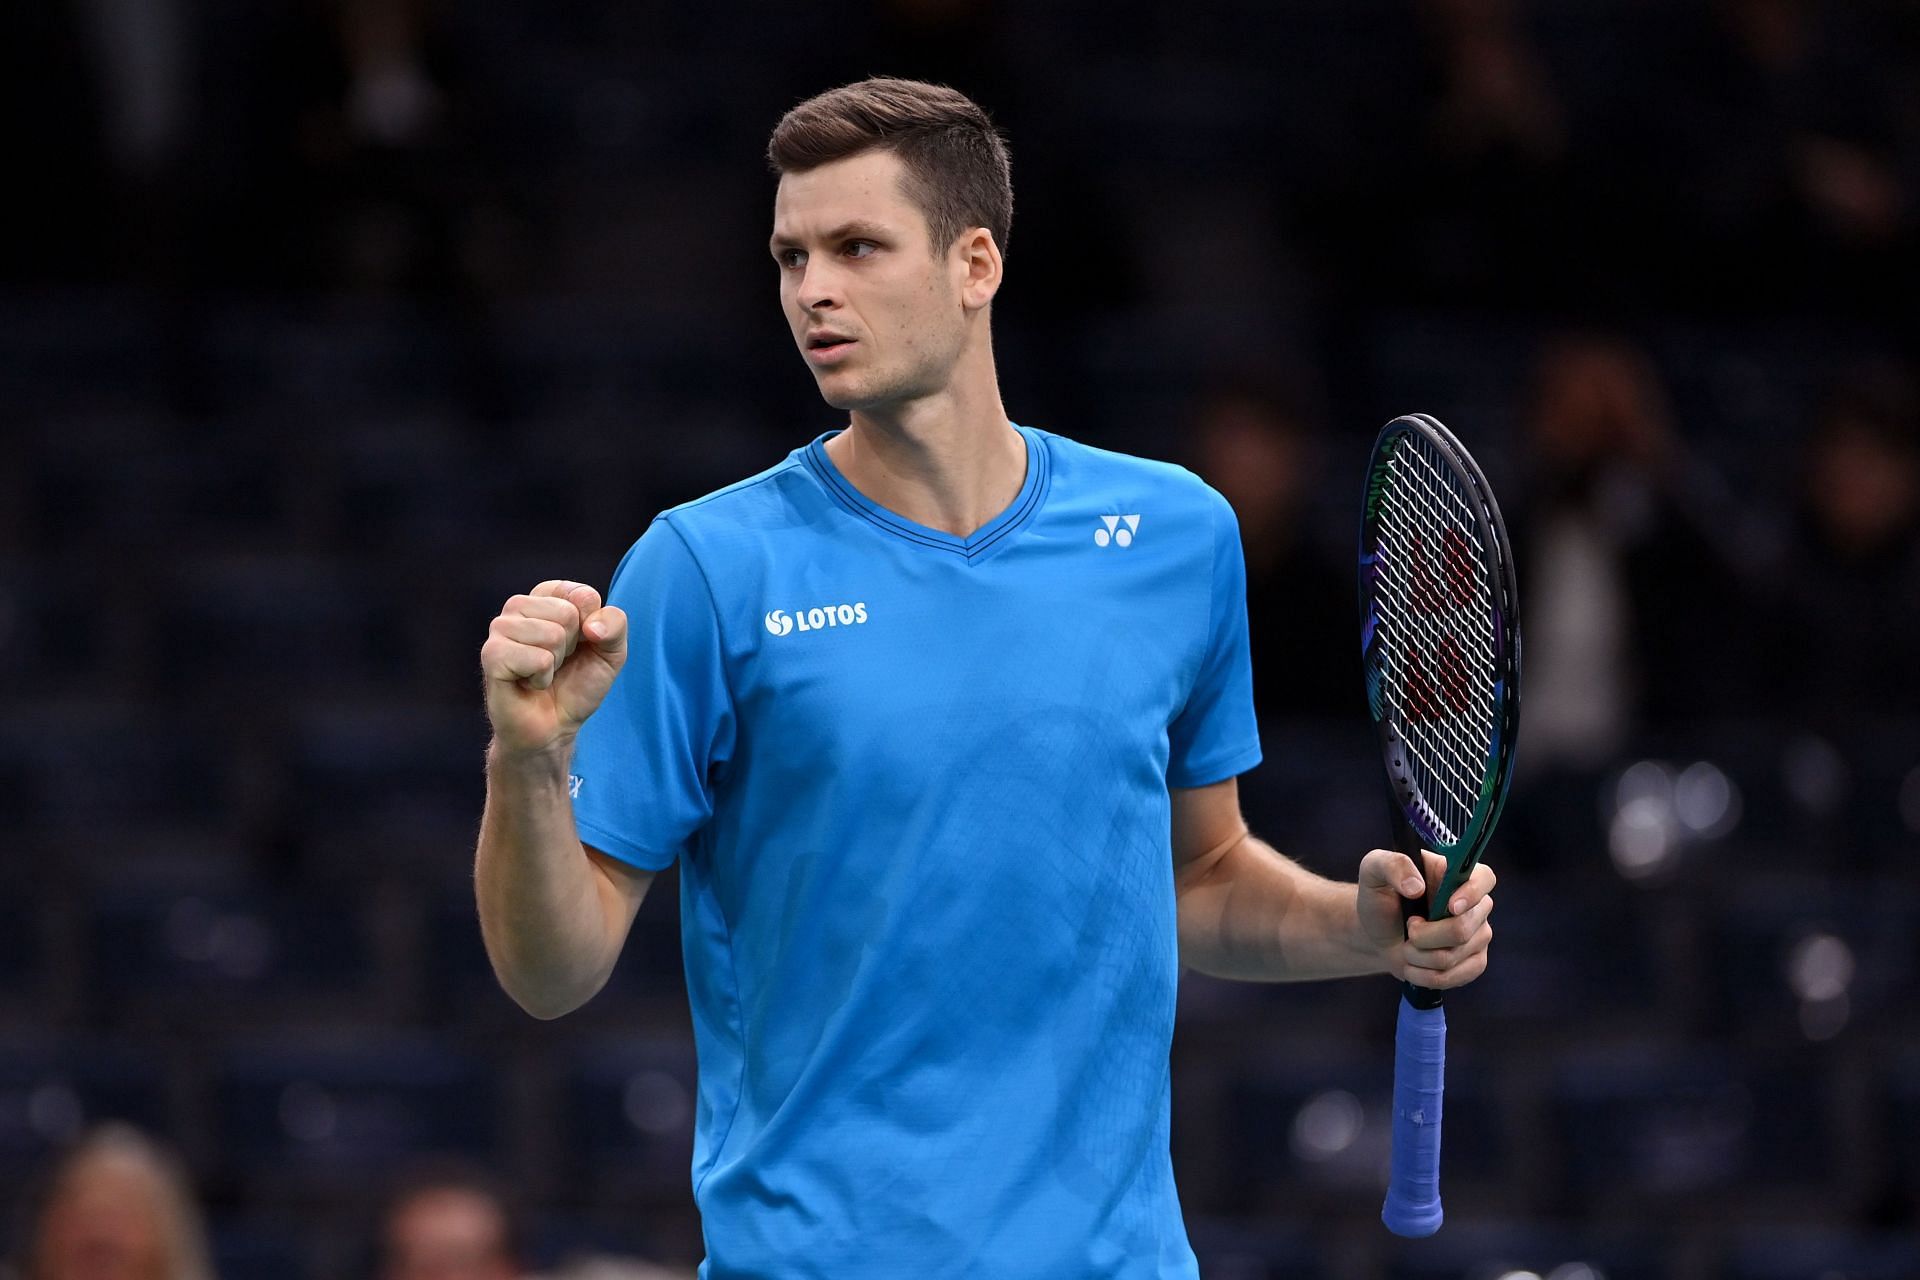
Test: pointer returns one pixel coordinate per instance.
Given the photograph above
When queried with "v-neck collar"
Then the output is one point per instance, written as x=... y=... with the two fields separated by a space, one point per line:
x=982 y=541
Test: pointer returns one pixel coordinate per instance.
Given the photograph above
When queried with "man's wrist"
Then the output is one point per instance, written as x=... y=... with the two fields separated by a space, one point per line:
x=530 y=766
x=1366 y=945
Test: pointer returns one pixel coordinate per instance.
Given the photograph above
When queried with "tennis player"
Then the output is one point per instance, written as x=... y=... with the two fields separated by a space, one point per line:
x=941 y=718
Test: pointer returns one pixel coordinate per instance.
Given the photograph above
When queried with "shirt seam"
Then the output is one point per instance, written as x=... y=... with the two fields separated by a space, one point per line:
x=1218 y=768
x=740 y=1080
x=719 y=624
x=733 y=962
x=613 y=843
x=1213 y=603
x=738 y=486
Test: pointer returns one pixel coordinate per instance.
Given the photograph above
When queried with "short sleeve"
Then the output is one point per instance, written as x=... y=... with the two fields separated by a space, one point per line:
x=1215 y=736
x=644 y=763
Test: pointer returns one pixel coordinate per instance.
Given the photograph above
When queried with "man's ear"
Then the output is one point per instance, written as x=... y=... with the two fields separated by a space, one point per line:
x=982 y=267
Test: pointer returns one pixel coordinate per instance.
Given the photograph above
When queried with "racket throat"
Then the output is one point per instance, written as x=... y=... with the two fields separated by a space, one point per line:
x=1416 y=824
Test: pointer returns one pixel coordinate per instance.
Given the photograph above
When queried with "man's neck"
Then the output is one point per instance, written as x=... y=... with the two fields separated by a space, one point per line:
x=938 y=462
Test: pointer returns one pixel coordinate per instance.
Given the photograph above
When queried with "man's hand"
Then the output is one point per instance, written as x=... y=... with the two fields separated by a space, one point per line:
x=549 y=659
x=1428 y=953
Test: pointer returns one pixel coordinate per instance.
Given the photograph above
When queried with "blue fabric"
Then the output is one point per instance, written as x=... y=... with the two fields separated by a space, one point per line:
x=918 y=789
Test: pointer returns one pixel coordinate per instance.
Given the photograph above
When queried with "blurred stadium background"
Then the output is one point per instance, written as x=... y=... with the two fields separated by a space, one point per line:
x=326 y=325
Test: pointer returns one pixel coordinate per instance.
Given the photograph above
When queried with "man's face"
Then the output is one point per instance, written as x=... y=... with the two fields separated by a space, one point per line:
x=448 y=1234
x=104 y=1224
x=875 y=311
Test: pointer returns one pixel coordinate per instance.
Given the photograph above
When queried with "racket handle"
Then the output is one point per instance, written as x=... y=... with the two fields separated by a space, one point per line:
x=1419 y=1071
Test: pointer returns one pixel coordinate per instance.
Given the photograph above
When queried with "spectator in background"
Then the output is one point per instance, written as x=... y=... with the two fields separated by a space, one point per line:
x=1790 y=156
x=1462 y=188
x=1257 y=452
x=116 y=1207
x=1634 y=597
x=449 y=1222
x=1854 y=594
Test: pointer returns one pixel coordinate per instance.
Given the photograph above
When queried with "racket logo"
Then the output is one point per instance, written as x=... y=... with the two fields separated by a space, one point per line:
x=1110 y=532
x=1448 y=585
x=1436 y=684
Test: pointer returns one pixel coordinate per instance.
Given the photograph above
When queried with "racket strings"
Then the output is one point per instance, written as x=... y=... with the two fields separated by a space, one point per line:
x=1439 y=744
x=1444 y=765
x=1439 y=623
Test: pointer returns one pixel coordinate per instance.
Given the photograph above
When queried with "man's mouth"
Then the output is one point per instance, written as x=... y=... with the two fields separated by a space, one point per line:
x=822 y=346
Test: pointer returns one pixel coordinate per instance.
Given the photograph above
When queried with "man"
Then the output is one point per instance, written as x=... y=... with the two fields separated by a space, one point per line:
x=118 y=1206
x=448 y=1223
x=941 y=718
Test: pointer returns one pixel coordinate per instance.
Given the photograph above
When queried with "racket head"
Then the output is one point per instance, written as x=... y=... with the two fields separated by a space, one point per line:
x=1440 y=642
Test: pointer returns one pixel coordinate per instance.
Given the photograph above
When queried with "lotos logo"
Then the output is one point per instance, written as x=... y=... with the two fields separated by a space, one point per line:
x=780 y=622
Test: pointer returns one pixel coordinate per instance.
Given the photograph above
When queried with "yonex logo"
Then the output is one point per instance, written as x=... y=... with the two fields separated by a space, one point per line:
x=781 y=623
x=1111 y=532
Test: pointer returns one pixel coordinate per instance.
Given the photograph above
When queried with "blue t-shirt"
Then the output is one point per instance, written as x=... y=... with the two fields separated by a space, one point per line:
x=918 y=788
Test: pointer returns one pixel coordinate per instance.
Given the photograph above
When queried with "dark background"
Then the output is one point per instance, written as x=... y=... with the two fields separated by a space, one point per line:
x=326 y=326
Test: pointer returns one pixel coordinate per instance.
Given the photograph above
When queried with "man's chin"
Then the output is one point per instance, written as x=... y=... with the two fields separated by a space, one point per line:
x=845 y=394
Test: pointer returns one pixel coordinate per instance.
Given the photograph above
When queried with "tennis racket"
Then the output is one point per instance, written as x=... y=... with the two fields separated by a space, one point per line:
x=1441 y=643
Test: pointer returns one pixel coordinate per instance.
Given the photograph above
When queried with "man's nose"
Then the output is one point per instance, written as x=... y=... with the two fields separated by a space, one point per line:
x=819 y=287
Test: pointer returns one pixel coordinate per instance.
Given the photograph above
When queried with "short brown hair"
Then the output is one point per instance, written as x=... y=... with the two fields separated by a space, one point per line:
x=957 y=168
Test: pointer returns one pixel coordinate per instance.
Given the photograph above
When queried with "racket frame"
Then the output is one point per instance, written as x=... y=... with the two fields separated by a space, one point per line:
x=1405 y=801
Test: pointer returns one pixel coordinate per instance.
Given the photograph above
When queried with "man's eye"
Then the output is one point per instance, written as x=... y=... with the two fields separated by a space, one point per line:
x=860 y=248
x=790 y=258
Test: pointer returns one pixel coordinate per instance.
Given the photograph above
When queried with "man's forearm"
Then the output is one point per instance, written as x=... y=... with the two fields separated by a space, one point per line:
x=543 y=907
x=1252 y=913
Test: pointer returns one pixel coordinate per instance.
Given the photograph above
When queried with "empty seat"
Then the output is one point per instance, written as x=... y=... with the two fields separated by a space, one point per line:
x=325 y=1114
x=1903 y=1114
x=1652 y=1123
x=328 y=360
x=1791 y=1255
x=554 y=1238
x=248 y=624
x=25 y=976
x=1232 y=1250
x=375 y=767
x=40 y=642
x=629 y=1108
x=99 y=348
x=157 y=952
x=1775 y=945
x=459 y=982
x=106 y=763
x=1600 y=958
x=257 y=1247
x=52 y=1090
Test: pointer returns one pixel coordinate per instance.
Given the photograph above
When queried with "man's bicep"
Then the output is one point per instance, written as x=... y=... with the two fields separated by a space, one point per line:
x=624 y=888
x=1206 y=824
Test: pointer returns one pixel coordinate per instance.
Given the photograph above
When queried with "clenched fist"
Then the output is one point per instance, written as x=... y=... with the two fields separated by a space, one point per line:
x=549 y=659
